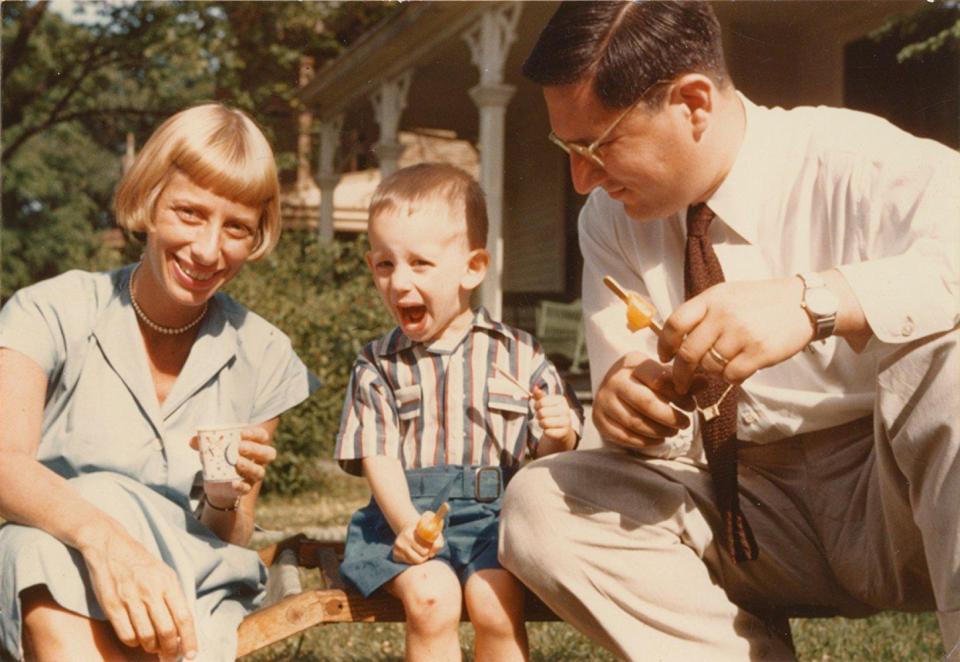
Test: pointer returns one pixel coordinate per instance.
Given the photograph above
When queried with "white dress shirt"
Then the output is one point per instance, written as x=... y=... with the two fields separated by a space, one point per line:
x=811 y=189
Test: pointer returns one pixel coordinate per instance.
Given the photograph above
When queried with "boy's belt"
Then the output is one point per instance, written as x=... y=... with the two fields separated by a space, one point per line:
x=482 y=483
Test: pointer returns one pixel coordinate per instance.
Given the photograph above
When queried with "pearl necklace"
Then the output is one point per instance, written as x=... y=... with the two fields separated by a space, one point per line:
x=166 y=330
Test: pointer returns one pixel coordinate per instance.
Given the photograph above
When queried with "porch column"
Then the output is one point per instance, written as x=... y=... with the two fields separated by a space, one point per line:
x=388 y=104
x=327 y=177
x=489 y=42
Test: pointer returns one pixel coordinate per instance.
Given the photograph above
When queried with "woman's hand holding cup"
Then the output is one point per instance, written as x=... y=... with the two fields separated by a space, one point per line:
x=234 y=459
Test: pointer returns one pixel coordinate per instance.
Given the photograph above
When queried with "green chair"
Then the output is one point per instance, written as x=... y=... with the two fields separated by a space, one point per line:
x=560 y=331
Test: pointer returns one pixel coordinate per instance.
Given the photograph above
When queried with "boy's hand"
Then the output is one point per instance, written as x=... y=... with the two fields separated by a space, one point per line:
x=408 y=548
x=554 y=415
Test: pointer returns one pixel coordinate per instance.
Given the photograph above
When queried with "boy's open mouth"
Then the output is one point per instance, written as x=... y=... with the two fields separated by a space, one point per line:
x=413 y=314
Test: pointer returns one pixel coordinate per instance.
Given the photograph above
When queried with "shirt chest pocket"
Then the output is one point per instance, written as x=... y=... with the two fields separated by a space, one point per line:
x=409 y=402
x=506 y=399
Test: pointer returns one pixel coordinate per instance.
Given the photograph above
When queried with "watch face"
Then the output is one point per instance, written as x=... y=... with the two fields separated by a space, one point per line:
x=821 y=302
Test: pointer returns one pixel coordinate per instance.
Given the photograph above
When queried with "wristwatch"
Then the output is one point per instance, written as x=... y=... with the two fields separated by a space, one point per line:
x=820 y=303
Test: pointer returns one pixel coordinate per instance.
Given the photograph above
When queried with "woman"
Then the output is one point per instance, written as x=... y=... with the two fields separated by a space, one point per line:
x=104 y=380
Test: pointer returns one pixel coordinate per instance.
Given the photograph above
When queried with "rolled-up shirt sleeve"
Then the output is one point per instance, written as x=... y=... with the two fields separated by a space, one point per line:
x=605 y=316
x=908 y=283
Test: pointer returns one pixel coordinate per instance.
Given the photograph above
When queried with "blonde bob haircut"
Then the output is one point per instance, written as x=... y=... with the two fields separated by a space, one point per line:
x=220 y=149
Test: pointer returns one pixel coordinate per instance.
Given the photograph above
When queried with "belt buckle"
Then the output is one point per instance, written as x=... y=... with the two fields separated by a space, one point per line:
x=476 y=484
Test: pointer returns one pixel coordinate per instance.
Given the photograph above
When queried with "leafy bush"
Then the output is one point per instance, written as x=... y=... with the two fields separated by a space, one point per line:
x=321 y=295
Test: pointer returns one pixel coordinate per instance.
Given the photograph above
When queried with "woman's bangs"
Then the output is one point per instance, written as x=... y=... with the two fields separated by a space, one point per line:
x=235 y=176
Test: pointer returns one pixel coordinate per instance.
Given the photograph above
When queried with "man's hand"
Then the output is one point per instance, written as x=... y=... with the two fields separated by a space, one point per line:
x=752 y=325
x=633 y=404
x=409 y=548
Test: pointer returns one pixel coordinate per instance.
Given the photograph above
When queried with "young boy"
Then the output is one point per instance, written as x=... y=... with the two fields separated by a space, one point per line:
x=428 y=420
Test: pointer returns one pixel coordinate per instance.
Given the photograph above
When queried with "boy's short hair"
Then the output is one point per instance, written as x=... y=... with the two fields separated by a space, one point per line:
x=425 y=181
x=220 y=149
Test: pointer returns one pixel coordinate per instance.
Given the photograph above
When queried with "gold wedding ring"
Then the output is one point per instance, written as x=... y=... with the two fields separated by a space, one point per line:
x=718 y=357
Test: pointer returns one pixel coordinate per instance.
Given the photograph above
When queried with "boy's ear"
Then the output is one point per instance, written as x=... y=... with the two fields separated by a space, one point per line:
x=476 y=271
x=368 y=258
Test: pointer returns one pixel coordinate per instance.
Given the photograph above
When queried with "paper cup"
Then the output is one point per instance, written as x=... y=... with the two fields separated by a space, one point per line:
x=219 y=452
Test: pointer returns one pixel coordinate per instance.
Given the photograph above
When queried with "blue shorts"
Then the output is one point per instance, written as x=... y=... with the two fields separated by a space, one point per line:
x=470 y=532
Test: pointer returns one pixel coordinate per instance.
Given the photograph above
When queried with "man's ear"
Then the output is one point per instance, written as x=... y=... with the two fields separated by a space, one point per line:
x=695 y=95
x=477 y=264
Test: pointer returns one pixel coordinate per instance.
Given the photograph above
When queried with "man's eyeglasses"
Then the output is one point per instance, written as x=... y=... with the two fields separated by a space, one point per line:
x=590 y=151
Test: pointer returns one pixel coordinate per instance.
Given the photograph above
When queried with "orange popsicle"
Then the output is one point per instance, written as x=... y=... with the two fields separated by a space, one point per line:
x=640 y=312
x=429 y=529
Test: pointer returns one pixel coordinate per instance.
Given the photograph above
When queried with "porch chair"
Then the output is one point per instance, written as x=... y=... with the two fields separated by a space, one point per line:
x=289 y=608
x=560 y=332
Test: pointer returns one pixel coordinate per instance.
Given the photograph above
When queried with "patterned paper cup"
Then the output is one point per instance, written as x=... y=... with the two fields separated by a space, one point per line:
x=219 y=452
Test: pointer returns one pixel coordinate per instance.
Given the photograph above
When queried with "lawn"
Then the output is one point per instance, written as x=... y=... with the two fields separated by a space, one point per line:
x=887 y=636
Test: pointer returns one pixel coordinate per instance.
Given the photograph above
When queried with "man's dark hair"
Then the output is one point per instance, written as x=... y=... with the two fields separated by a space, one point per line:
x=626 y=47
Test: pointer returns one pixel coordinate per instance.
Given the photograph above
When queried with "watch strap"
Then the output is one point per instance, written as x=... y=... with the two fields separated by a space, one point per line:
x=824 y=324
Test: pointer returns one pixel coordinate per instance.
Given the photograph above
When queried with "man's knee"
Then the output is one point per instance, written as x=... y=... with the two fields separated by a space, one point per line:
x=522 y=514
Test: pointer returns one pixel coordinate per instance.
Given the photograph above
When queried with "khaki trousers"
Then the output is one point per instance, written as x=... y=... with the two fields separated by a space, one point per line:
x=849 y=520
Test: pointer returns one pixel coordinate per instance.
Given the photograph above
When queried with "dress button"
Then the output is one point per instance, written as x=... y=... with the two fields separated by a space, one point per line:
x=749 y=418
x=907 y=327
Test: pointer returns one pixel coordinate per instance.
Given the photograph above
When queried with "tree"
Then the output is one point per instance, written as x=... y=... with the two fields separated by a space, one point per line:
x=73 y=89
x=928 y=30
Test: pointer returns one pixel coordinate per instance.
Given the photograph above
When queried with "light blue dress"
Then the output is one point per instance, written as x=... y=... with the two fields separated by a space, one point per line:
x=104 y=430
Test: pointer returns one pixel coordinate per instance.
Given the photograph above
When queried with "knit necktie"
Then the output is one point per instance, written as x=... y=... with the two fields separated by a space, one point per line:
x=718 y=428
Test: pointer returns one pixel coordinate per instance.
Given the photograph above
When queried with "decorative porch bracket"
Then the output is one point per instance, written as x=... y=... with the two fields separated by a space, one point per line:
x=327 y=177
x=388 y=104
x=489 y=43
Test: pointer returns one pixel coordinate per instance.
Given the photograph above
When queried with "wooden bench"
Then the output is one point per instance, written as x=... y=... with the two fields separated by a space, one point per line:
x=289 y=608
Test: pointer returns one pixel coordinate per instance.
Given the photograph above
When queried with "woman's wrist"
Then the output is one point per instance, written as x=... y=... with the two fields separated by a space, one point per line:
x=94 y=534
x=227 y=508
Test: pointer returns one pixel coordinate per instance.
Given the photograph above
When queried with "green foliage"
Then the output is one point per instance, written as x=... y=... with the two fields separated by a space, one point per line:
x=321 y=295
x=55 y=196
x=74 y=87
x=925 y=31
x=262 y=43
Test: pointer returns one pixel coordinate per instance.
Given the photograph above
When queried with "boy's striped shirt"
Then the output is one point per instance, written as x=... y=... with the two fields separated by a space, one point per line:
x=429 y=407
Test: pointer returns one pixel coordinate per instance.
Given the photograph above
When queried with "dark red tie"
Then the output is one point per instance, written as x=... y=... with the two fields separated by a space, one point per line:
x=719 y=433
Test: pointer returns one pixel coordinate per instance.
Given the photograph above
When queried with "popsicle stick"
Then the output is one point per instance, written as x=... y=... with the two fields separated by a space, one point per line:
x=614 y=287
x=513 y=380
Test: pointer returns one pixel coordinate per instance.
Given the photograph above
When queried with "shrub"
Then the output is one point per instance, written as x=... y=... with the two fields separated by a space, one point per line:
x=321 y=295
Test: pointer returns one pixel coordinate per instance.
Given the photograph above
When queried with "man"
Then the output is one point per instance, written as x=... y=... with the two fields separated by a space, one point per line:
x=811 y=312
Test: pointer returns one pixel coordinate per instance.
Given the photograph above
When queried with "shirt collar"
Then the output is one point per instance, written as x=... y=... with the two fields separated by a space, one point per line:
x=118 y=335
x=735 y=202
x=398 y=341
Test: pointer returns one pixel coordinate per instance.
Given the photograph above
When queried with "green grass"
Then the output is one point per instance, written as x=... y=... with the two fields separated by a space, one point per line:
x=888 y=636
x=884 y=637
